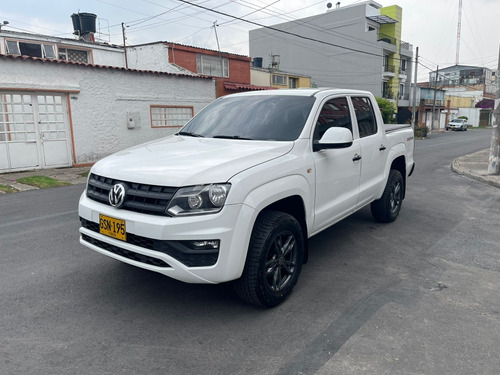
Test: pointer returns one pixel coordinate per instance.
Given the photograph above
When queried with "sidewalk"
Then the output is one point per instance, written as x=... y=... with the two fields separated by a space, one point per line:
x=474 y=166
x=72 y=176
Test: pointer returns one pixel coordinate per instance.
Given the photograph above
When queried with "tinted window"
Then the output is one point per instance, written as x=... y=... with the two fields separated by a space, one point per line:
x=335 y=113
x=367 y=123
x=278 y=118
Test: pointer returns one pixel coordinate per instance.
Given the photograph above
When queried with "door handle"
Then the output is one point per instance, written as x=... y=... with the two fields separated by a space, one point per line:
x=382 y=148
x=356 y=157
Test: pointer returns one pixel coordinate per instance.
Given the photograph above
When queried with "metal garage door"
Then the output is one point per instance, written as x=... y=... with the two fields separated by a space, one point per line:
x=34 y=131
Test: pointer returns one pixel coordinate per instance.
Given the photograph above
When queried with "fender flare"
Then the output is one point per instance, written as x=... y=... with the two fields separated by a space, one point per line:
x=263 y=196
x=395 y=152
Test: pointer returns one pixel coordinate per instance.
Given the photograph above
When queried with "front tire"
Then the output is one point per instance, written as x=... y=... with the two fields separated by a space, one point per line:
x=386 y=209
x=274 y=260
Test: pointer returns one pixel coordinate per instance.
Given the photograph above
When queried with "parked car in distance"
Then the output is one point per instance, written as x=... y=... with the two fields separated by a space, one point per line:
x=457 y=124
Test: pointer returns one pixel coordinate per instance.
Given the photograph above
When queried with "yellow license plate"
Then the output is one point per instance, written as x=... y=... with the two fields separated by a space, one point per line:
x=112 y=227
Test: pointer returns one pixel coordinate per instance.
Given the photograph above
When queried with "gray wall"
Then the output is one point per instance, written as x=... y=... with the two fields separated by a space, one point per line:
x=328 y=66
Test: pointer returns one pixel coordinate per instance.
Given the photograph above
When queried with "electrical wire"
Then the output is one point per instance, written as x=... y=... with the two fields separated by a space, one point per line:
x=282 y=31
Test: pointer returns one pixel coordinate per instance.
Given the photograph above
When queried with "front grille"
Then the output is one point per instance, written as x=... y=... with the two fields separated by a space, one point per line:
x=176 y=249
x=125 y=253
x=147 y=199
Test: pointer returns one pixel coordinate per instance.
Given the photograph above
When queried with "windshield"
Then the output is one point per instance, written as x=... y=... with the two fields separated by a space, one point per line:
x=459 y=120
x=276 y=118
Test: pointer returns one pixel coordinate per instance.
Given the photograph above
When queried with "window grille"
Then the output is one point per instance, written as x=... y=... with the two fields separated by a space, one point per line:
x=170 y=116
x=73 y=55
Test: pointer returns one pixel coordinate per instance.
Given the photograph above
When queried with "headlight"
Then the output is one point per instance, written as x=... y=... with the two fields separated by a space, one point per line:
x=198 y=200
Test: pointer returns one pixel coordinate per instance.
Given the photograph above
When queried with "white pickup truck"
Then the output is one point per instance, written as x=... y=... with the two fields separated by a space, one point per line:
x=236 y=193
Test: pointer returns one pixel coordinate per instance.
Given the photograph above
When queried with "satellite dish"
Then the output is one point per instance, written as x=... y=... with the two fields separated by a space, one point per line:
x=329 y=5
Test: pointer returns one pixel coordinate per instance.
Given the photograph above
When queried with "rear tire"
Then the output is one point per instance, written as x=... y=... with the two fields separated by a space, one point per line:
x=274 y=260
x=386 y=209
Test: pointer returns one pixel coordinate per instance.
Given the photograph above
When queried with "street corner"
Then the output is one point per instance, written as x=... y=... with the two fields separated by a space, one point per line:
x=475 y=166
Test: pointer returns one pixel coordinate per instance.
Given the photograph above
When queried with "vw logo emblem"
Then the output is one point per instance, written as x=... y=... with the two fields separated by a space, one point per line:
x=117 y=195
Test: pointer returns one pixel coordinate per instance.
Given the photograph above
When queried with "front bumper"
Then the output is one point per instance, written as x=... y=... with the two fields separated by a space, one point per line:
x=155 y=243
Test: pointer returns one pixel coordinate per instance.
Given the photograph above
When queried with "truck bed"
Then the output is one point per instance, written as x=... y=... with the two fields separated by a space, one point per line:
x=394 y=127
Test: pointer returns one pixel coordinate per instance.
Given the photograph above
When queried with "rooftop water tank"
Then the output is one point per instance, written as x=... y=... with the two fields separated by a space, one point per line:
x=83 y=23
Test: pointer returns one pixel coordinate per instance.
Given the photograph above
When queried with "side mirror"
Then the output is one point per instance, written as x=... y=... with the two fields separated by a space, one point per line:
x=334 y=138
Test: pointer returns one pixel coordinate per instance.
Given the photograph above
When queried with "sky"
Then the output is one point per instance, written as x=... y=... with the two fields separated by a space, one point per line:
x=430 y=25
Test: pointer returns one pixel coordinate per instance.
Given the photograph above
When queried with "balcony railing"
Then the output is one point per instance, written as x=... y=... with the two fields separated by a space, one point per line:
x=389 y=69
x=402 y=71
x=388 y=95
x=406 y=45
x=431 y=102
x=386 y=38
x=404 y=97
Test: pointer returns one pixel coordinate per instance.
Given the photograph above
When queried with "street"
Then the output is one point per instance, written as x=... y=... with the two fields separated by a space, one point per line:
x=419 y=295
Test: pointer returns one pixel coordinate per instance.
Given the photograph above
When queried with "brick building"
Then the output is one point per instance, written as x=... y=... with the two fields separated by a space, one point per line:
x=230 y=71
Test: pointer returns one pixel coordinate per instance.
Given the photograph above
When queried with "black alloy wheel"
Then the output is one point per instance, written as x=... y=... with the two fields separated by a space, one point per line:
x=274 y=260
x=386 y=209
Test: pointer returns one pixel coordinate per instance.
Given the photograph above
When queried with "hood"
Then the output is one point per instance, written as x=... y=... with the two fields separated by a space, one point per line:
x=183 y=161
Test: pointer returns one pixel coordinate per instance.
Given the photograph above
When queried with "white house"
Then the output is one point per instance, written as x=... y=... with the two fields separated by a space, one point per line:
x=57 y=113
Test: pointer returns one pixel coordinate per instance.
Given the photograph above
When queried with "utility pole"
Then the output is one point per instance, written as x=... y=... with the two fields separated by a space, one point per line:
x=494 y=161
x=413 y=113
x=124 y=45
x=434 y=102
x=218 y=48
x=459 y=27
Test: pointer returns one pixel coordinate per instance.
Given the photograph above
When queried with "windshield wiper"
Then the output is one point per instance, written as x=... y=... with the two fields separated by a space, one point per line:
x=190 y=134
x=232 y=137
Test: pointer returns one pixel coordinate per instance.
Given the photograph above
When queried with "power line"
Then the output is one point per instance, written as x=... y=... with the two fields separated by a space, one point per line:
x=282 y=31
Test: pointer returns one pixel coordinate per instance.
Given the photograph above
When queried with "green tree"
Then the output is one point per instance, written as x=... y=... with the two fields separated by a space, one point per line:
x=387 y=109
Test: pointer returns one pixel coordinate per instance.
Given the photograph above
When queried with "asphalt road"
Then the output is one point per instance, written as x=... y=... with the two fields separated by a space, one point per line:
x=418 y=296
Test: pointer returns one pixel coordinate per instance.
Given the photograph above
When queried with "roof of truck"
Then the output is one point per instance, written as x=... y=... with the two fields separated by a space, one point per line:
x=303 y=92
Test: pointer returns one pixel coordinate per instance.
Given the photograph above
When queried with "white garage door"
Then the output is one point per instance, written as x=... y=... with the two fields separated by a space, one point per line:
x=34 y=131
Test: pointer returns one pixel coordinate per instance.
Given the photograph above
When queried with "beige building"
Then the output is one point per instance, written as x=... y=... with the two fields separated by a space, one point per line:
x=278 y=79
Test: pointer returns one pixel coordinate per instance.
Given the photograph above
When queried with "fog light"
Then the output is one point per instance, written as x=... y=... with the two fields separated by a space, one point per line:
x=203 y=244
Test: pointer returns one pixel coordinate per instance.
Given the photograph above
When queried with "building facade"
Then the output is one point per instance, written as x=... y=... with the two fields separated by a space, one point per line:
x=230 y=71
x=56 y=113
x=459 y=77
x=64 y=49
x=466 y=87
x=357 y=46
x=278 y=79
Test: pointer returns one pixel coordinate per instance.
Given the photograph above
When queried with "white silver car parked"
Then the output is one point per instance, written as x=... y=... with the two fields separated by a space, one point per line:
x=457 y=124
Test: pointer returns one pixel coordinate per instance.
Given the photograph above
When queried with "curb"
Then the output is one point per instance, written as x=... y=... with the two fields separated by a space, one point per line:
x=459 y=166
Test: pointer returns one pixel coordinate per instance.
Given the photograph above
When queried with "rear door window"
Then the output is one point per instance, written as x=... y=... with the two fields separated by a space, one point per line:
x=367 y=124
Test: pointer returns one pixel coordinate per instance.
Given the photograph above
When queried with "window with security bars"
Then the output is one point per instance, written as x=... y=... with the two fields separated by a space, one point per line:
x=170 y=116
x=279 y=80
x=212 y=65
x=74 y=55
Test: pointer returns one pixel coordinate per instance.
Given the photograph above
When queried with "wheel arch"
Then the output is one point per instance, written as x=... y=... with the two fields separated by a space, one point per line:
x=294 y=206
x=399 y=164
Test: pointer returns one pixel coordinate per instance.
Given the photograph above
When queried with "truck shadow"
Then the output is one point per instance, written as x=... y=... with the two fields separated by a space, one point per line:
x=129 y=286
